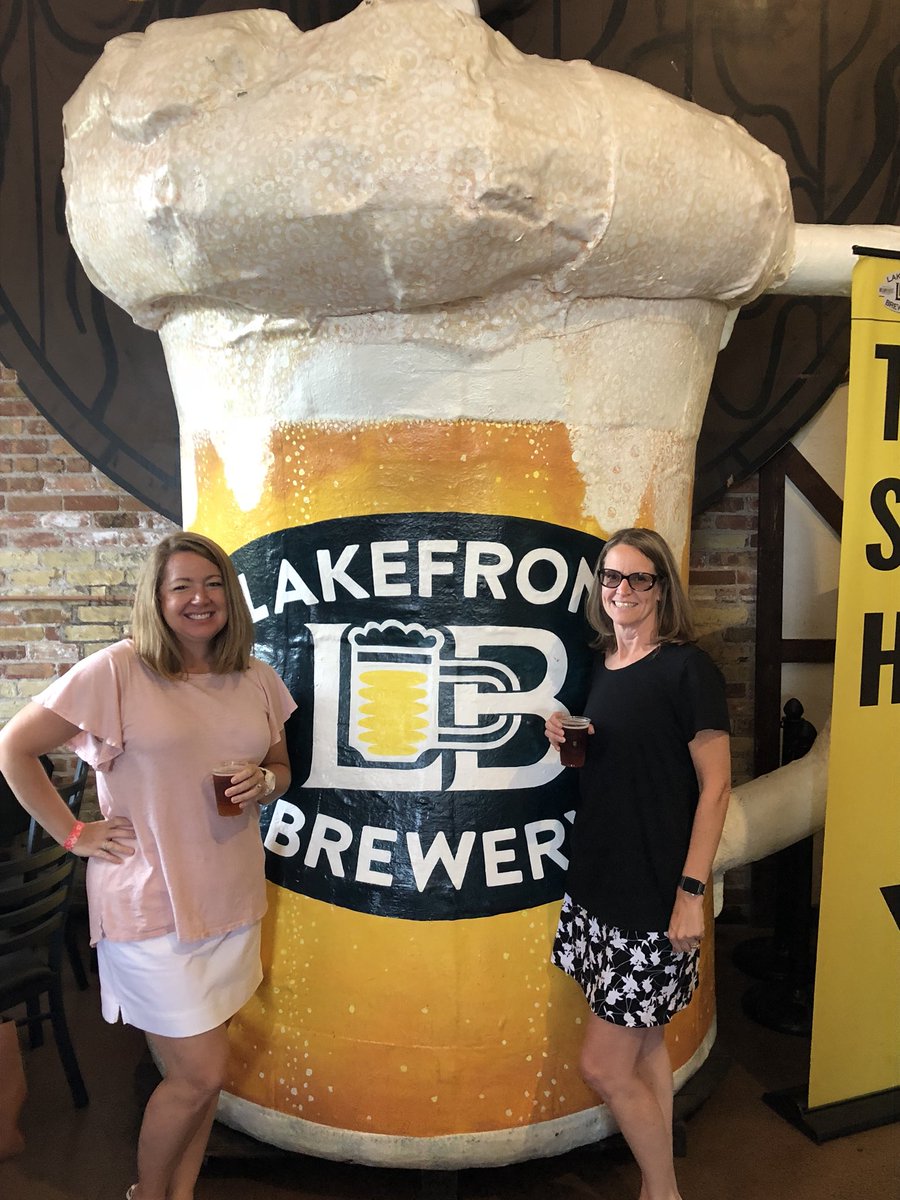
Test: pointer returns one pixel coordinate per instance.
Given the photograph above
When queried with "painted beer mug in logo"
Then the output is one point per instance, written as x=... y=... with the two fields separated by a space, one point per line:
x=394 y=693
x=396 y=678
x=427 y=352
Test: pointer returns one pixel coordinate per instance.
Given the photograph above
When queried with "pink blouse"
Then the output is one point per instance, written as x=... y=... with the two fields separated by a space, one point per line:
x=152 y=743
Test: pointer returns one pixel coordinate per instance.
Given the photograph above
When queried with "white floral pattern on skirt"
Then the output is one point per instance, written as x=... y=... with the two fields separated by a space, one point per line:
x=629 y=977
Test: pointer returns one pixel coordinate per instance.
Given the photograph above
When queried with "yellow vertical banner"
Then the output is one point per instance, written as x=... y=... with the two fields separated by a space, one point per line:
x=856 y=1015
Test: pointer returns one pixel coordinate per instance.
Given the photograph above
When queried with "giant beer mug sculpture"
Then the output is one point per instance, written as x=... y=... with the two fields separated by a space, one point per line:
x=438 y=316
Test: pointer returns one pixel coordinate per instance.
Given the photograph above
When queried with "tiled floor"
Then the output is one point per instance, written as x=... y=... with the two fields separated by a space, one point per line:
x=737 y=1147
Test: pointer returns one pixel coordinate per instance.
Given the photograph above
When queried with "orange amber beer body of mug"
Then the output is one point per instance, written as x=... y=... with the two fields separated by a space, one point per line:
x=420 y=585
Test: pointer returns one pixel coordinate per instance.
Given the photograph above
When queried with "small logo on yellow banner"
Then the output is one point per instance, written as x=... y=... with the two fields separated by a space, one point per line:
x=889 y=291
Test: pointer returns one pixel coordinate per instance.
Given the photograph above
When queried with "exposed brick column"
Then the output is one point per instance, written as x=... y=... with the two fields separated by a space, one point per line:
x=71 y=543
x=723 y=594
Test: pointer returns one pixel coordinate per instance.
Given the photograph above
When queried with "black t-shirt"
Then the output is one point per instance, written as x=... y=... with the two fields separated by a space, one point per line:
x=638 y=785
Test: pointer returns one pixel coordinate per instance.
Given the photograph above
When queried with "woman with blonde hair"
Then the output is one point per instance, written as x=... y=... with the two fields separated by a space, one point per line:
x=176 y=892
x=654 y=790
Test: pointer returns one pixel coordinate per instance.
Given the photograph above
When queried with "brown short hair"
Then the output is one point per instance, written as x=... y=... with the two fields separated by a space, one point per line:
x=154 y=641
x=675 y=623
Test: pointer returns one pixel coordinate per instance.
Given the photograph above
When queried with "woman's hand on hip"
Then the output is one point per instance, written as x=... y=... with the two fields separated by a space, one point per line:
x=107 y=840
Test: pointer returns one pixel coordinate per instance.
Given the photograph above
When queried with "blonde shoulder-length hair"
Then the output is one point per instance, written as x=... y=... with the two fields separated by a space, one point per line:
x=154 y=641
x=674 y=620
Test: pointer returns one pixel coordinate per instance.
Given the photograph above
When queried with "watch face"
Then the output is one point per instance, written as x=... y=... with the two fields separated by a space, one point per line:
x=694 y=886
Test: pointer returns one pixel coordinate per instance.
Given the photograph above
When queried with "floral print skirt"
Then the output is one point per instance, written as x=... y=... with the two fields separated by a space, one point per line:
x=628 y=977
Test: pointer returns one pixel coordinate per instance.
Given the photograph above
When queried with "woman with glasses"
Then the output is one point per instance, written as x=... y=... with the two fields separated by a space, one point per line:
x=654 y=790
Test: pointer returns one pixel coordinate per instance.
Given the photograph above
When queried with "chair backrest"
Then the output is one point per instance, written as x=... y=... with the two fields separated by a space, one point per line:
x=73 y=794
x=34 y=899
x=13 y=817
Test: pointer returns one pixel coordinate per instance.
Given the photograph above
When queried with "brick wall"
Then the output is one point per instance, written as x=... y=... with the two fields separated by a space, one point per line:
x=71 y=543
x=723 y=595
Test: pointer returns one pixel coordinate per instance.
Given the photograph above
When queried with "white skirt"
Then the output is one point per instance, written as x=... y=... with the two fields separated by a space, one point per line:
x=178 y=989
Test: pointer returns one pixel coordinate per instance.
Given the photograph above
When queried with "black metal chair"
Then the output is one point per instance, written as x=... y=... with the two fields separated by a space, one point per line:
x=73 y=794
x=35 y=893
x=13 y=817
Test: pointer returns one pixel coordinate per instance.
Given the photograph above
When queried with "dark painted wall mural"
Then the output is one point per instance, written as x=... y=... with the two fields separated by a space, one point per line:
x=814 y=81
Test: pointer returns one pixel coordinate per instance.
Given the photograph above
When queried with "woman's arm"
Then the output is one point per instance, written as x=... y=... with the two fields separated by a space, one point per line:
x=249 y=785
x=278 y=762
x=34 y=731
x=711 y=754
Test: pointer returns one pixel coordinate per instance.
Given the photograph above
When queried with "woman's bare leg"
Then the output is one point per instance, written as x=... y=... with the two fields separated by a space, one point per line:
x=655 y=1068
x=624 y=1067
x=179 y=1114
x=184 y=1177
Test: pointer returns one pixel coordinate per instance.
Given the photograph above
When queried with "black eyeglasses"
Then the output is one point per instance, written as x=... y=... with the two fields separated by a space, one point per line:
x=638 y=581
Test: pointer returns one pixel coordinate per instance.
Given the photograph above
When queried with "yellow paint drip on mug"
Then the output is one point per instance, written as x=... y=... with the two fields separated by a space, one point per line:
x=334 y=469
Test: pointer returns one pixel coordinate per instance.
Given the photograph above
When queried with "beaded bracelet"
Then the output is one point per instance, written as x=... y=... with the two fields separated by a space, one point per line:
x=74 y=835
